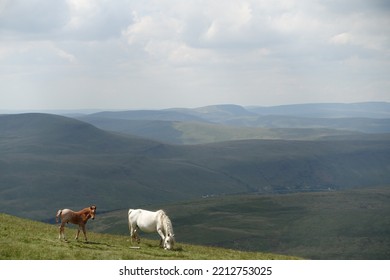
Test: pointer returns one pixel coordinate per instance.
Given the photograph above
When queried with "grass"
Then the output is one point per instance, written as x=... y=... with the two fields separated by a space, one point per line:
x=22 y=239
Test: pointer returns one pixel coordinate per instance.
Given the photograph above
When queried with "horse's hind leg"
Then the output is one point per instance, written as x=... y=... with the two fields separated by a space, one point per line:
x=134 y=234
x=135 y=237
x=131 y=232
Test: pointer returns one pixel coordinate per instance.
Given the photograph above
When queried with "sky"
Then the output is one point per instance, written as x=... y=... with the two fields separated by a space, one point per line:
x=152 y=54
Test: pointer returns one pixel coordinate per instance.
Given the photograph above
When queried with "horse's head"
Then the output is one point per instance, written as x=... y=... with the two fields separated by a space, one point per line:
x=169 y=241
x=92 y=211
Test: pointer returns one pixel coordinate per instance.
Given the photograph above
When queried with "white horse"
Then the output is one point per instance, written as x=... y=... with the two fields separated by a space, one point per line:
x=148 y=221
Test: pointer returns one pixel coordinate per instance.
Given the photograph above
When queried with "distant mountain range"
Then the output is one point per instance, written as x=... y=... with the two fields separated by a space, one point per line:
x=49 y=161
x=378 y=110
x=232 y=122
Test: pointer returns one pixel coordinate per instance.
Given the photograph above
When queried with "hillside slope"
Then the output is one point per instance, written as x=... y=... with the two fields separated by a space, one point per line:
x=22 y=239
x=47 y=133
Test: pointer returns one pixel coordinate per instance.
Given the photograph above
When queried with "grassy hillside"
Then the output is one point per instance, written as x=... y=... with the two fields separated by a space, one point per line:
x=52 y=134
x=351 y=224
x=29 y=240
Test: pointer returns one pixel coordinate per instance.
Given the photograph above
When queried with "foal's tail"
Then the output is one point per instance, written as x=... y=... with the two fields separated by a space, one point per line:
x=59 y=212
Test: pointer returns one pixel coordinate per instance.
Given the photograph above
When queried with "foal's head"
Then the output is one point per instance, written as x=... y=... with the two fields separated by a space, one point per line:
x=92 y=211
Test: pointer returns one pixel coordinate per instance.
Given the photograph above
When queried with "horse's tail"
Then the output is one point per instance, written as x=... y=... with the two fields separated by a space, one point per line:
x=129 y=222
x=59 y=212
x=128 y=214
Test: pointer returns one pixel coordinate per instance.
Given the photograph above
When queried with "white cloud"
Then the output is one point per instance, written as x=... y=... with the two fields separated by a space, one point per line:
x=65 y=55
x=342 y=39
x=223 y=50
x=81 y=12
x=148 y=28
x=33 y=53
x=229 y=21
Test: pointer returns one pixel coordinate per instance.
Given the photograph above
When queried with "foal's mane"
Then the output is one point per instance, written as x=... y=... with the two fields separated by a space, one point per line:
x=85 y=210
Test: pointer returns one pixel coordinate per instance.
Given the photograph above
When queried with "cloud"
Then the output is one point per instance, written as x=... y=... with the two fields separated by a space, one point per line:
x=34 y=53
x=228 y=23
x=31 y=19
x=342 y=39
x=224 y=51
x=96 y=19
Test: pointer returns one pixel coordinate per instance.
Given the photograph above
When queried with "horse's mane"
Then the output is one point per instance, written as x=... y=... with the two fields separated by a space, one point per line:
x=167 y=222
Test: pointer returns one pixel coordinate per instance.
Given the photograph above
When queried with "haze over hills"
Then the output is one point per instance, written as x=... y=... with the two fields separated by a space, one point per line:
x=378 y=110
x=232 y=122
x=119 y=160
x=49 y=161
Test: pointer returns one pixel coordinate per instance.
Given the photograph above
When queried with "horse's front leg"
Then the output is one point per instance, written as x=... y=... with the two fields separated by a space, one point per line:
x=161 y=242
x=160 y=232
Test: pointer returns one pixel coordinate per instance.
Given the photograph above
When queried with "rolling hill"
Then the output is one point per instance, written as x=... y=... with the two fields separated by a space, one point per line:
x=48 y=133
x=49 y=162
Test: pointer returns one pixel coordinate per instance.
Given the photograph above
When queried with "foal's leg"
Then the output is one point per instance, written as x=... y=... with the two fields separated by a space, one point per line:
x=62 y=229
x=84 y=231
x=78 y=233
